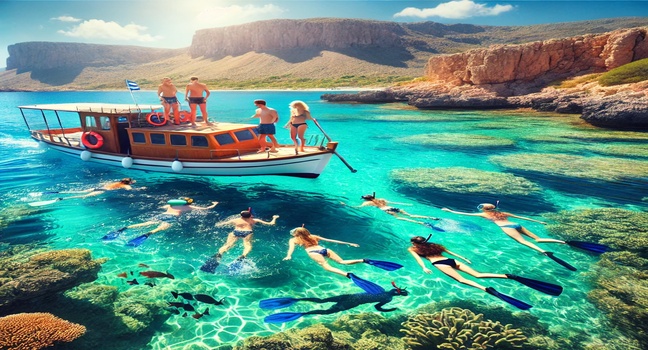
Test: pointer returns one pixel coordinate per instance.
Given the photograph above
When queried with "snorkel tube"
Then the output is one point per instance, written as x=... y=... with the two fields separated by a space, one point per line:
x=369 y=197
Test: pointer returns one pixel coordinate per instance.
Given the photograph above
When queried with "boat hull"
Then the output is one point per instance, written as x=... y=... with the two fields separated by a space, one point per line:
x=303 y=165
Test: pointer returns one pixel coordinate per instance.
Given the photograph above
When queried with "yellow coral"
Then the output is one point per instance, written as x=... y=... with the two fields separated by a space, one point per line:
x=36 y=331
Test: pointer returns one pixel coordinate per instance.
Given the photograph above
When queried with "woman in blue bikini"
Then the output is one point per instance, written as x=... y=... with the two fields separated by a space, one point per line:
x=515 y=230
x=310 y=242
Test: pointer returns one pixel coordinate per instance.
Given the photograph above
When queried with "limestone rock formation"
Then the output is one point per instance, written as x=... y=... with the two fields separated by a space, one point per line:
x=540 y=62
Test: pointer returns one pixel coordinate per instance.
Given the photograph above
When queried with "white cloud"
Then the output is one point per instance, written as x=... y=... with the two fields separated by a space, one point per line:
x=66 y=19
x=455 y=10
x=220 y=16
x=99 y=29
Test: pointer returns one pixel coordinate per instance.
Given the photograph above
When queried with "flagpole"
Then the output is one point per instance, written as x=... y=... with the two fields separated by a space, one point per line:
x=131 y=93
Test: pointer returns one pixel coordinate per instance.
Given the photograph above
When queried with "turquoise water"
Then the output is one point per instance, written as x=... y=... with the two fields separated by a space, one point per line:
x=371 y=140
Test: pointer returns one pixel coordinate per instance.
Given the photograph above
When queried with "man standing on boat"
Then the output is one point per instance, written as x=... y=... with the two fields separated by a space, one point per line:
x=167 y=93
x=267 y=116
x=194 y=94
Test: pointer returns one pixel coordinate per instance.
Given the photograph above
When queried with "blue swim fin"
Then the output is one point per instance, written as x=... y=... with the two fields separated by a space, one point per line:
x=277 y=303
x=211 y=264
x=385 y=265
x=545 y=287
x=283 y=317
x=367 y=286
x=136 y=242
x=591 y=247
x=560 y=261
x=113 y=234
x=517 y=303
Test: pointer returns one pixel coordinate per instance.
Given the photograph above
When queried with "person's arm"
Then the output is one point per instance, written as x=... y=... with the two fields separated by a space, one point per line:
x=276 y=116
x=525 y=218
x=419 y=260
x=207 y=92
x=271 y=222
x=159 y=93
x=291 y=249
x=204 y=208
x=257 y=114
x=336 y=241
x=309 y=116
x=462 y=213
x=458 y=256
x=187 y=93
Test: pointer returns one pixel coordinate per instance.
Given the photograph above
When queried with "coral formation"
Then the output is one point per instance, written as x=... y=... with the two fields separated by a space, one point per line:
x=36 y=331
x=457 y=328
x=316 y=337
x=465 y=180
x=457 y=140
x=27 y=277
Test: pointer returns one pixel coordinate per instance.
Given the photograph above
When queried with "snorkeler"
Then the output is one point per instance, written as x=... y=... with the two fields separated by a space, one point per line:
x=433 y=252
x=123 y=184
x=310 y=242
x=242 y=230
x=515 y=231
x=174 y=209
x=380 y=203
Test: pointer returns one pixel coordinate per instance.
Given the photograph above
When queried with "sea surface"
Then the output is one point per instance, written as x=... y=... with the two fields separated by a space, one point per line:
x=370 y=139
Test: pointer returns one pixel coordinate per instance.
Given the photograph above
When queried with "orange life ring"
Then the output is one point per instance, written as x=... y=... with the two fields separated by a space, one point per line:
x=184 y=116
x=156 y=118
x=92 y=140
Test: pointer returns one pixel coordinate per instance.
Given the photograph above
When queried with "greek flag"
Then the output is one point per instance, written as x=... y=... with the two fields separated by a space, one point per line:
x=132 y=85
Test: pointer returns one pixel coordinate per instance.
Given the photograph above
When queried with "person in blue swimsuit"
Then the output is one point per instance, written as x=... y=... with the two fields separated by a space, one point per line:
x=512 y=229
x=299 y=114
x=310 y=242
x=382 y=204
x=242 y=231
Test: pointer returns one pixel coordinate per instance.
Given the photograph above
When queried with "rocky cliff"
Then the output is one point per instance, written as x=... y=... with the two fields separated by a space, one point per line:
x=513 y=69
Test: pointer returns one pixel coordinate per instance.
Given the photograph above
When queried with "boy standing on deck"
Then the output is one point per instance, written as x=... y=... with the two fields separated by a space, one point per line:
x=194 y=94
x=267 y=117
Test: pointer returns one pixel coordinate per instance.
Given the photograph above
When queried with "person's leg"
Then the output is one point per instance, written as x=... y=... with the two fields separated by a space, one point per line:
x=163 y=226
x=147 y=223
x=262 y=143
x=275 y=144
x=167 y=110
x=203 y=111
x=415 y=216
x=301 y=130
x=524 y=231
x=293 y=136
x=474 y=273
x=339 y=260
x=176 y=113
x=192 y=109
x=322 y=262
x=90 y=194
x=450 y=271
x=231 y=239
x=247 y=245
x=513 y=233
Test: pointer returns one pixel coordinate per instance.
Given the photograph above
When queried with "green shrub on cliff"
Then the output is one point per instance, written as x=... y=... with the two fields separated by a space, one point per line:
x=632 y=72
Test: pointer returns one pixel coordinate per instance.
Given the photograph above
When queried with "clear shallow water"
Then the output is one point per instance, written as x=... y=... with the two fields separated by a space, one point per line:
x=370 y=140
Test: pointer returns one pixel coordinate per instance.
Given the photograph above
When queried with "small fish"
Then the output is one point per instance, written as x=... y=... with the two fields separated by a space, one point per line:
x=150 y=284
x=188 y=307
x=131 y=273
x=142 y=265
x=174 y=311
x=204 y=298
x=184 y=315
x=122 y=275
x=156 y=274
x=199 y=315
x=134 y=281
x=175 y=304
x=187 y=296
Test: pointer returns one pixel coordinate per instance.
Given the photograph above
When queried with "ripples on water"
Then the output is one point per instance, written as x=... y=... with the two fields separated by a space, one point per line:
x=369 y=139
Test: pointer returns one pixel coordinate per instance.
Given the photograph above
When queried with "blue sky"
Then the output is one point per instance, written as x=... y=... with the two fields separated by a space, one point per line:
x=171 y=24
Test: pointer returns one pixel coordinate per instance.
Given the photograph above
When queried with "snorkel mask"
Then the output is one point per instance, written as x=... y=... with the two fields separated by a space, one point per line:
x=420 y=239
x=399 y=291
x=481 y=206
x=369 y=197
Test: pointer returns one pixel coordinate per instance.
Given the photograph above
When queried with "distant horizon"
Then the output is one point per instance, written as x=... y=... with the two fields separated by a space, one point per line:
x=169 y=25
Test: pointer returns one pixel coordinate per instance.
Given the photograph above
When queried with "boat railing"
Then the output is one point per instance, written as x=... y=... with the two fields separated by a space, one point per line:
x=212 y=151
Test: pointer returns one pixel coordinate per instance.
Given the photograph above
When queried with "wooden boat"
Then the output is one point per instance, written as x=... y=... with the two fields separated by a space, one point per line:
x=123 y=135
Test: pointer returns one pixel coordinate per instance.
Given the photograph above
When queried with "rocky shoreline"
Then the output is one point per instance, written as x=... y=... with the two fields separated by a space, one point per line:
x=621 y=107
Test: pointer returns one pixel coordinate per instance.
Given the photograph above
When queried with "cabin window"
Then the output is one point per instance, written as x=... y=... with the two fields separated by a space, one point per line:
x=138 y=137
x=90 y=122
x=244 y=135
x=199 y=141
x=224 y=139
x=157 y=139
x=178 y=140
x=122 y=120
x=105 y=123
